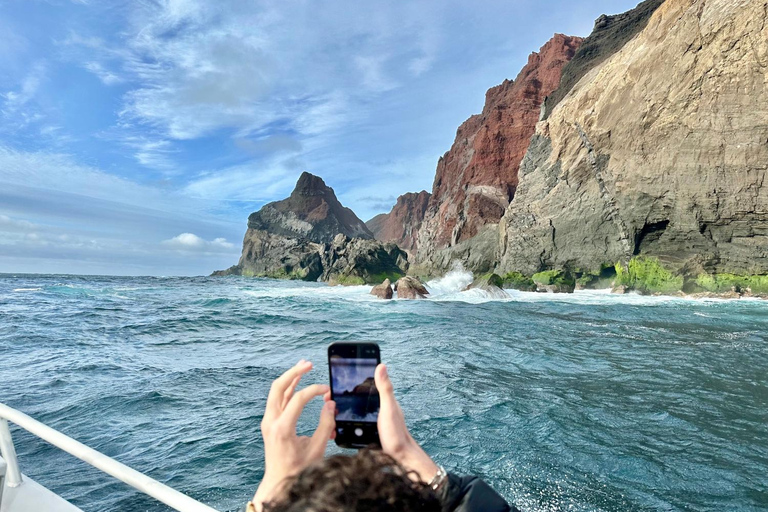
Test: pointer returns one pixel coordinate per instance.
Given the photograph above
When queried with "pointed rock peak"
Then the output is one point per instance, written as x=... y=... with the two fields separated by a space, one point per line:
x=312 y=212
x=311 y=185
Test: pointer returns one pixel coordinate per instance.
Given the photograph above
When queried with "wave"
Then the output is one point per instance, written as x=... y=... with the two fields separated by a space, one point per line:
x=27 y=289
x=454 y=281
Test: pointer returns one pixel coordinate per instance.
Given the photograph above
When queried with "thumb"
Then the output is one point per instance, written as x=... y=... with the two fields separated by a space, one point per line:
x=325 y=429
x=384 y=386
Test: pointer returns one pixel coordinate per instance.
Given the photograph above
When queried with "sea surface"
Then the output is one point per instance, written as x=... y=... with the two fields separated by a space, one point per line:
x=583 y=402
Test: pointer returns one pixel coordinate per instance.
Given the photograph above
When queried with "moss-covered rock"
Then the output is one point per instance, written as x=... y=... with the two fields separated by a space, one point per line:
x=647 y=275
x=554 y=281
x=518 y=281
x=724 y=283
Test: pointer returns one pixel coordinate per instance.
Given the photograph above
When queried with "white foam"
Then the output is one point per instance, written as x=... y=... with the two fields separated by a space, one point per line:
x=453 y=282
x=27 y=289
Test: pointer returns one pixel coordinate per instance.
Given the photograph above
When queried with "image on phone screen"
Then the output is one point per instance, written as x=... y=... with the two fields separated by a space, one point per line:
x=354 y=390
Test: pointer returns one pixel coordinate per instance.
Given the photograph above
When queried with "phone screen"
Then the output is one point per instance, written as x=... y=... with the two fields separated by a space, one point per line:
x=352 y=366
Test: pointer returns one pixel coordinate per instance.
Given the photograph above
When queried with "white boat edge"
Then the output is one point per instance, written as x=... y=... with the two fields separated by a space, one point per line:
x=30 y=495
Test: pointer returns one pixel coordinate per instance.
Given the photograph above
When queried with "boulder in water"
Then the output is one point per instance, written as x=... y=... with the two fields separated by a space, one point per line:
x=383 y=290
x=489 y=283
x=410 y=287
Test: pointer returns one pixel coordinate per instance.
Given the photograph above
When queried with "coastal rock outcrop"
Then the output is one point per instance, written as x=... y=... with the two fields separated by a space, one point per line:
x=410 y=287
x=658 y=155
x=402 y=224
x=312 y=212
x=357 y=261
x=310 y=236
x=383 y=290
x=477 y=178
x=491 y=284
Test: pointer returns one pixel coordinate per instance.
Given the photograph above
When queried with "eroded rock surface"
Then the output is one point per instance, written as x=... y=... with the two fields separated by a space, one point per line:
x=662 y=150
x=310 y=236
x=383 y=290
x=410 y=287
x=477 y=178
x=402 y=224
x=312 y=212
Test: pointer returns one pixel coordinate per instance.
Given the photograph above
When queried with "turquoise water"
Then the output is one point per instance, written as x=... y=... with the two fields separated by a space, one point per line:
x=586 y=402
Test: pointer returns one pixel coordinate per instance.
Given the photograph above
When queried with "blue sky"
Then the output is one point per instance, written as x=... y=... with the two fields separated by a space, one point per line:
x=137 y=136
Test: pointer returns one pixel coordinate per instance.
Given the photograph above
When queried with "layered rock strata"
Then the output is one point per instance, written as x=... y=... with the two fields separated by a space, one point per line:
x=312 y=212
x=310 y=236
x=660 y=152
x=477 y=178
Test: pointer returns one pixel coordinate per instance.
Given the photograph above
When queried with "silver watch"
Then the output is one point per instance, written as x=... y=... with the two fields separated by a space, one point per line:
x=438 y=479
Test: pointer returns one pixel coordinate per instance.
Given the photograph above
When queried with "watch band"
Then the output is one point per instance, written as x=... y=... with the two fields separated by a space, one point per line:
x=438 y=479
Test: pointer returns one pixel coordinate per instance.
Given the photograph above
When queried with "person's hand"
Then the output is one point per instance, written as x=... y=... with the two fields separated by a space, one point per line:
x=285 y=453
x=395 y=439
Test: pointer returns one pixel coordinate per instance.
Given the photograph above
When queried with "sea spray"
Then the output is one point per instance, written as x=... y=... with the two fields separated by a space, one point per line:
x=453 y=282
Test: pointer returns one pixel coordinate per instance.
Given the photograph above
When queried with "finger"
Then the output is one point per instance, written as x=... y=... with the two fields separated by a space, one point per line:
x=385 y=388
x=300 y=399
x=289 y=392
x=327 y=397
x=279 y=386
x=325 y=429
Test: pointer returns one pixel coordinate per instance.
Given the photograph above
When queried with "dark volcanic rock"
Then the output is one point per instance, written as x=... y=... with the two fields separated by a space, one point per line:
x=269 y=255
x=312 y=212
x=402 y=224
x=360 y=261
x=610 y=35
x=305 y=237
x=477 y=178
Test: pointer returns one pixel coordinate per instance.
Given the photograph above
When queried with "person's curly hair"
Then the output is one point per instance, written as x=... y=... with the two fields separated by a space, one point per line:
x=368 y=481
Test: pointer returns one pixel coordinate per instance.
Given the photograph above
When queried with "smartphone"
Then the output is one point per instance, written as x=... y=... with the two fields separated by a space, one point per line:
x=353 y=389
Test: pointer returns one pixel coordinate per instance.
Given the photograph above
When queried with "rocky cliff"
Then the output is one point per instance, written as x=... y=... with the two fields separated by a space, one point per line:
x=312 y=212
x=402 y=224
x=659 y=151
x=311 y=236
x=477 y=178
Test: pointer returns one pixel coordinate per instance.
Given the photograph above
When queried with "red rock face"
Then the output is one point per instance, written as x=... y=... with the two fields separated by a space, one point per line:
x=402 y=224
x=477 y=178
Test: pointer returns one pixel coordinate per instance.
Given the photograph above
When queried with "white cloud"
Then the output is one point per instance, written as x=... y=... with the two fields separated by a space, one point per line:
x=192 y=242
x=107 y=77
x=9 y=224
x=27 y=89
x=248 y=182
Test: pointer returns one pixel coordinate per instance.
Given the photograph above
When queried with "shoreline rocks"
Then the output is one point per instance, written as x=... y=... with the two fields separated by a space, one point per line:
x=411 y=288
x=383 y=290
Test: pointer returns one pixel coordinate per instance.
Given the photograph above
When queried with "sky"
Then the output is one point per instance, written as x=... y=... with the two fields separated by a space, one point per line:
x=136 y=137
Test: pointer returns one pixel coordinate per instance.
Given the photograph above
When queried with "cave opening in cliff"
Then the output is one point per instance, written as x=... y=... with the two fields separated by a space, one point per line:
x=650 y=234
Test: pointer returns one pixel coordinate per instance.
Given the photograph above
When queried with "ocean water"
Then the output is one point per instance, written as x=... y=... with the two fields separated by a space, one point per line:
x=583 y=402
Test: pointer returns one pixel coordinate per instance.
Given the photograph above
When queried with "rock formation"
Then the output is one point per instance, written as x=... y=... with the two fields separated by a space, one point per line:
x=402 y=224
x=312 y=212
x=383 y=290
x=360 y=261
x=477 y=178
x=409 y=287
x=491 y=284
x=659 y=152
x=311 y=236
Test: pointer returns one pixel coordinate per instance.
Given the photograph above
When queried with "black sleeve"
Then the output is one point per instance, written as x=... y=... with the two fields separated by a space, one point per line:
x=470 y=494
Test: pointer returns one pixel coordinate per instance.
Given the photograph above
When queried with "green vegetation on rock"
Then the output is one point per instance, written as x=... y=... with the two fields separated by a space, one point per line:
x=596 y=279
x=647 y=275
x=723 y=283
x=518 y=281
x=554 y=277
